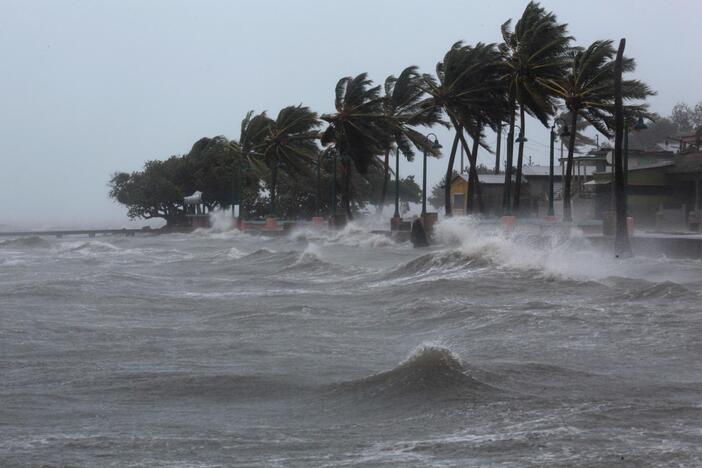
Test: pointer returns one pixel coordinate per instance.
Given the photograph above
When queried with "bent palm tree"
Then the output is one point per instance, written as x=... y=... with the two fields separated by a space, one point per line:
x=469 y=89
x=289 y=144
x=588 y=92
x=403 y=108
x=532 y=53
x=359 y=129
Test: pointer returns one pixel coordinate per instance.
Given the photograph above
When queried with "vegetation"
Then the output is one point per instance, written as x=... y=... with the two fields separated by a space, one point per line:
x=288 y=165
x=587 y=90
x=533 y=53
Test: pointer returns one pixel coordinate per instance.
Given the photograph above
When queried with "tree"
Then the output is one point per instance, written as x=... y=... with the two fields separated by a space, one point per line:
x=152 y=192
x=622 y=246
x=587 y=89
x=289 y=144
x=533 y=52
x=469 y=89
x=359 y=129
x=403 y=109
x=685 y=118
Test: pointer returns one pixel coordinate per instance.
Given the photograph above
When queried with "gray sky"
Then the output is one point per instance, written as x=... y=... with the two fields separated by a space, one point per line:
x=92 y=87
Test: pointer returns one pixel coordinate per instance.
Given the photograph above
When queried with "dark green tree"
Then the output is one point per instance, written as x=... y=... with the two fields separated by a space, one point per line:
x=289 y=145
x=359 y=129
x=403 y=108
x=533 y=52
x=587 y=89
x=469 y=88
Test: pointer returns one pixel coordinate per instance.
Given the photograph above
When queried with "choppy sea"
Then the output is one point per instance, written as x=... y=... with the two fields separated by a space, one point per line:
x=343 y=348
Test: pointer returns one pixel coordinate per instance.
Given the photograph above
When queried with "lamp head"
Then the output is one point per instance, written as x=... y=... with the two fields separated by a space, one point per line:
x=640 y=124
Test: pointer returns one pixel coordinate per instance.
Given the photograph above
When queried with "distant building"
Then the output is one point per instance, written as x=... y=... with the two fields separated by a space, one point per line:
x=539 y=186
x=492 y=190
x=664 y=189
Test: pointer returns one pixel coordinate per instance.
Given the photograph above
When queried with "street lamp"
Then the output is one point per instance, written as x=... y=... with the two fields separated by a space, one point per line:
x=238 y=194
x=565 y=132
x=397 y=181
x=639 y=125
x=331 y=156
x=318 y=197
x=520 y=138
x=435 y=146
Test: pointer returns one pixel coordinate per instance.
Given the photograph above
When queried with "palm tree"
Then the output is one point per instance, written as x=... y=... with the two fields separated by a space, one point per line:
x=359 y=129
x=587 y=89
x=290 y=144
x=403 y=108
x=532 y=53
x=469 y=89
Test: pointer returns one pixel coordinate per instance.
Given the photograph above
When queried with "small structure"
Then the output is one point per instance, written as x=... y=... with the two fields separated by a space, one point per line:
x=195 y=211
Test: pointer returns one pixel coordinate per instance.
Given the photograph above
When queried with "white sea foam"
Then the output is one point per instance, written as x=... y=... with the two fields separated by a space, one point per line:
x=561 y=253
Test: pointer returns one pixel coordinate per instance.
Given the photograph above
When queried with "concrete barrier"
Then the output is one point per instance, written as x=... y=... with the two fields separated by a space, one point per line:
x=271 y=224
x=508 y=223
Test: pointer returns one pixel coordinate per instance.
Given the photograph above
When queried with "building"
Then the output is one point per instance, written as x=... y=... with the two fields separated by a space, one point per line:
x=664 y=189
x=538 y=178
x=492 y=191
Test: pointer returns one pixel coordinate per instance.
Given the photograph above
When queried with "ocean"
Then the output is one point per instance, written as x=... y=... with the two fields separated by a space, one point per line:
x=343 y=348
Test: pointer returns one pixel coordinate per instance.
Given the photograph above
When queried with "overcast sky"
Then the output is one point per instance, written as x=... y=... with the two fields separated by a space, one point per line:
x=93 y=87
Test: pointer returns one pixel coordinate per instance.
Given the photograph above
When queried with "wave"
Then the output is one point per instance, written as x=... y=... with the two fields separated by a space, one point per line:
x=87 y=247
x=442 y=261
x=30 y=242
x=663 y=290
x=431 y=372
x=560 y=252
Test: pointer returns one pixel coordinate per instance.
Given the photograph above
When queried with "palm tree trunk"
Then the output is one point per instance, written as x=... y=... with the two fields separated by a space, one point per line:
x=520 y=161
x=346 y=193
x=473 y=172
x=497 y=149
x=567 y=205
x=386 y=178
x=622 y=245
x=507 y=192
x=449 y=173
x=474 y=186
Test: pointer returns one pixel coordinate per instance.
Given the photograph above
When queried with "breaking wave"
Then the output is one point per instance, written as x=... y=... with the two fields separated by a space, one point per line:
x=429 y=372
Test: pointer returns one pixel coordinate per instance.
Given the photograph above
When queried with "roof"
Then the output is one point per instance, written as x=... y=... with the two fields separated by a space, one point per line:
x=193 y=199
x=540 y=171
x=489 y=179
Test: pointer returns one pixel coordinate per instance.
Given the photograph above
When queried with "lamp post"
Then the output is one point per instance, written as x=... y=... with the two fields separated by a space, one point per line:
x=397 y=182
x=331 y=155
x=639 y=125
x=564 y=133
x=317 y=194
x=435 y=145
x=238 y=194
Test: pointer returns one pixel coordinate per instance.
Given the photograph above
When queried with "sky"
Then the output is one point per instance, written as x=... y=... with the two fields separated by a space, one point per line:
x=88 y=88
